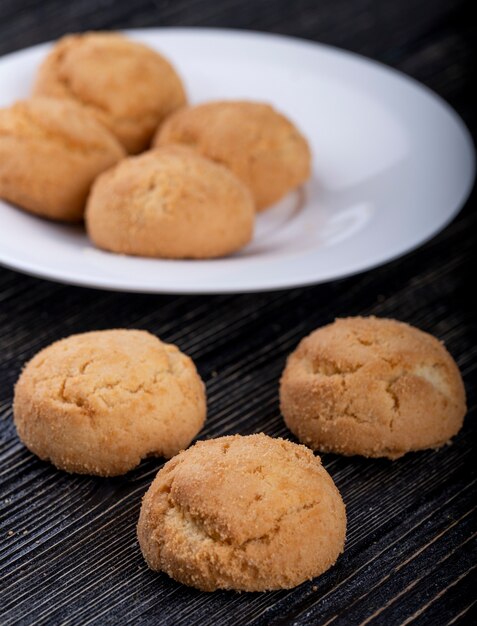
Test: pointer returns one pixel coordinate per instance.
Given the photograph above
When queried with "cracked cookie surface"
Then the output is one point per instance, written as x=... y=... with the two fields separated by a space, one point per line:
x=51 y=151
x=260 y=145
x=374 y=387
x=128 y=87
x=250 y=513
x=170 y=203
x=99 y=402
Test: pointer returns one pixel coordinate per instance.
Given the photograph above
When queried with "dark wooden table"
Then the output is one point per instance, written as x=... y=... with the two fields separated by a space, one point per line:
x=68 y=549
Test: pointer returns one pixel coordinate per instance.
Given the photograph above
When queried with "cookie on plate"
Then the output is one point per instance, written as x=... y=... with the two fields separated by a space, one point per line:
x=51 y=151
x=170 y=203
x=259 y=144
x=373 y=387
x=128 y=86
x=99 y=402
x=246 y=513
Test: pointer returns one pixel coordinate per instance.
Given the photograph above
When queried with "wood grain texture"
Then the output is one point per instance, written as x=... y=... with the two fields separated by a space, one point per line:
x=68 y=553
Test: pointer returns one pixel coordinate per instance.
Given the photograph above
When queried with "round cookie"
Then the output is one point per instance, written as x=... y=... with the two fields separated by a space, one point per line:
x=99 y=402
x=170 y=203
x=129 y=87
x=374 y=387
x=246 y=513
x=261 y=146
x=50 y=152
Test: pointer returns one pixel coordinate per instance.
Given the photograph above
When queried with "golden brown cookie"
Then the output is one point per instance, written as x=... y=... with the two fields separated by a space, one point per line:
x=246 y=513
x=170 y=203
x=261 y=146
x=99 y=402
x=50 y=152
x=129 y=87
x=371 y=386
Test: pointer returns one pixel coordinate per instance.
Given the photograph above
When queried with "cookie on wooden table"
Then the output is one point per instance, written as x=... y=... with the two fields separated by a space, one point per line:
x=99 y=402
x=249 y=513
x=259 y=144
x=170 y=203
x=373 y=387
x=51 y=151
x=128 y=86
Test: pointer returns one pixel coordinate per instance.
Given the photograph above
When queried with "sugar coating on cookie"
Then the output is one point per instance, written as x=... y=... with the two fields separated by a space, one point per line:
x=259 y=144
x=51 y=151
x=128 y=86
x=99 y=402
x=249 y=513
x=170 y=203
x=373 y=387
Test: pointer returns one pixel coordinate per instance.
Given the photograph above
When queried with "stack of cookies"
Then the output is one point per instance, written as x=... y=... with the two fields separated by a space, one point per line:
x=108 y=137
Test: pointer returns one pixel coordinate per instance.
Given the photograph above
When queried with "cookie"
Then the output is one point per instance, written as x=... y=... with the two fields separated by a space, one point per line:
x=246 y=513
x=373 y=387
x=170 y=203
x=99 y=402
x=50 y=153
x=129 y=87
x=261 y=146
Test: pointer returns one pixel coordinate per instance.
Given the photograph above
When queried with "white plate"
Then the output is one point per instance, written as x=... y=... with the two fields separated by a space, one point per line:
x=392 y=166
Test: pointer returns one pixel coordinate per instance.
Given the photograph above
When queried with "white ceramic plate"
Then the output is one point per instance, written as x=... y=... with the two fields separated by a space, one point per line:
x=392 y=166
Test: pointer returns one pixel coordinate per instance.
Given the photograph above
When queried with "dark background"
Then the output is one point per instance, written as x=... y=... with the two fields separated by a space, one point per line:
x=68 y=552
